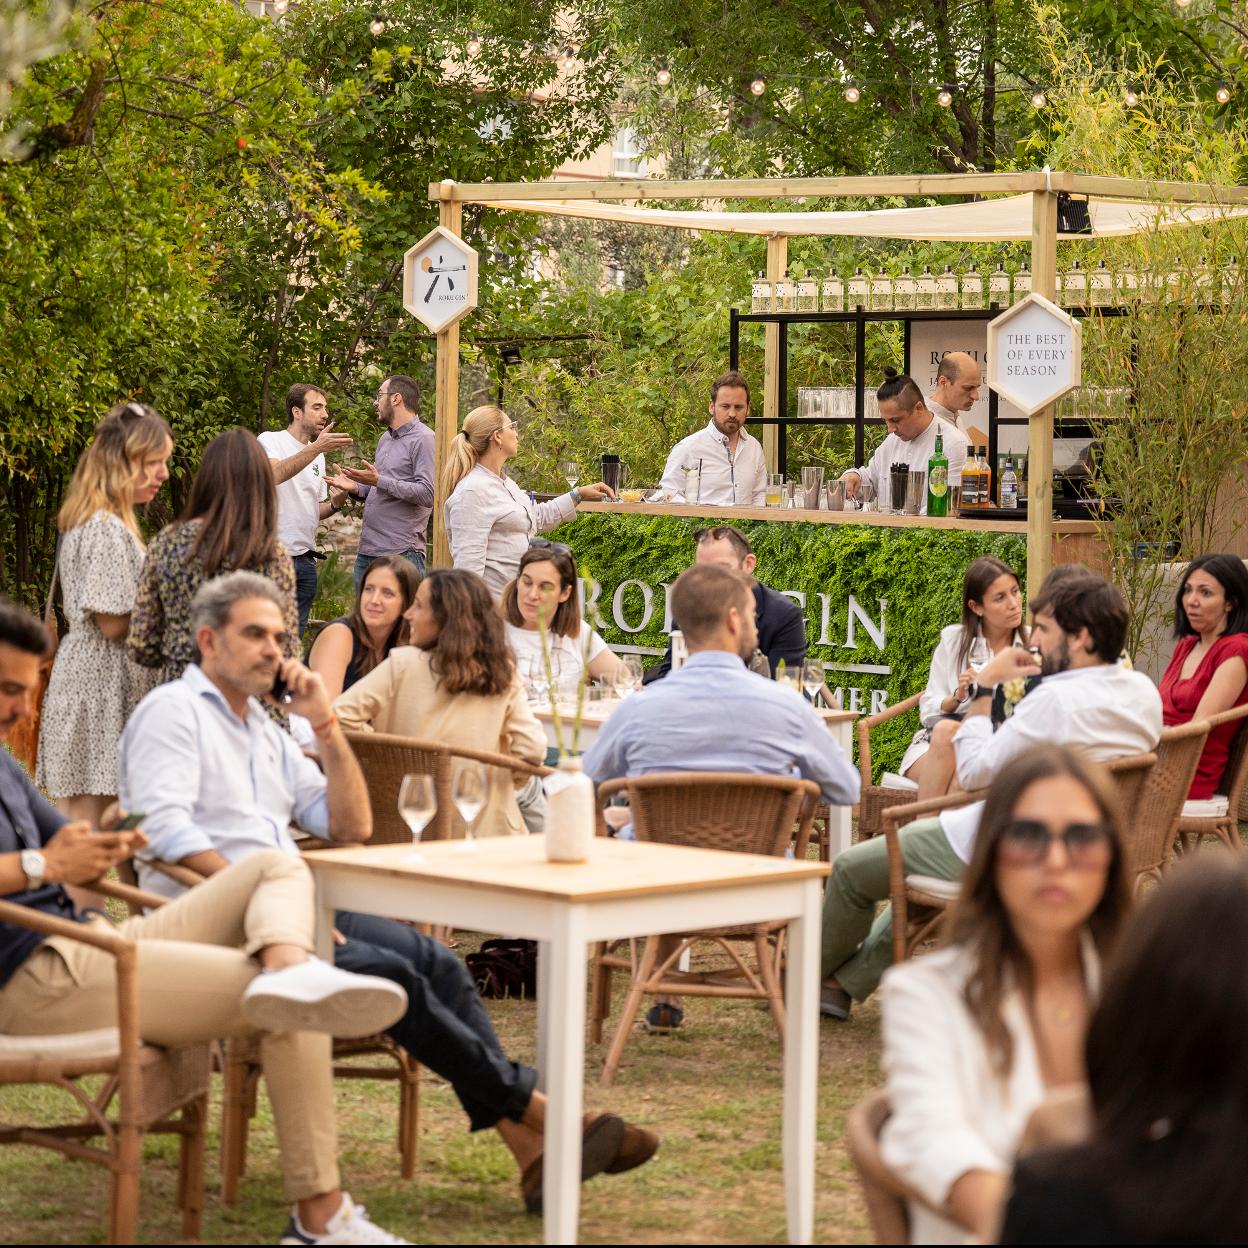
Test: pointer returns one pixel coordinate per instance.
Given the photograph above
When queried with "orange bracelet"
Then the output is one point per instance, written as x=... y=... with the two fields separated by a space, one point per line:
x=324 y=731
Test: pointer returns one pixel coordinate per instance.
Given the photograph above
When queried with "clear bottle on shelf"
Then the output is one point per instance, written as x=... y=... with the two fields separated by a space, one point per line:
x=832 y=295
x=999 y=286
x=1074 y=287
x=808 y=293
x=1126 y=286
x=1101 y=286
x=947 y=289
x=925 y=290
x=904 y=290
x=881 y=292
x=784 y=293
x=1172 y=286
x=1022 y=283
x=972 y=288
x=1009 y=486
x=858 y=289
x=1231 y=279
x=760 y=294
x=1206 y=292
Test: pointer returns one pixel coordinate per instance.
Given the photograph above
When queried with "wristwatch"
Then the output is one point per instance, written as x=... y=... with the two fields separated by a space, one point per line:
x=976 y=690
x=34 y=866
x=575 y=491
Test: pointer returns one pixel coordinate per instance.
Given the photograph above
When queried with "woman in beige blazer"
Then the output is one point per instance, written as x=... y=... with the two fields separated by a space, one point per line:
x=455 y=683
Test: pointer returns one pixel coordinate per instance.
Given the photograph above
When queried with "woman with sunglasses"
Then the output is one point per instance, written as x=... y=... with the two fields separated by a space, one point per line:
x=977 y=1035
x=490 y=519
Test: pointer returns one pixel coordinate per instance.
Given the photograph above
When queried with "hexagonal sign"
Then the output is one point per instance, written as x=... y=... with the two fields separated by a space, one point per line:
x=1034 y=354
x=439 y=279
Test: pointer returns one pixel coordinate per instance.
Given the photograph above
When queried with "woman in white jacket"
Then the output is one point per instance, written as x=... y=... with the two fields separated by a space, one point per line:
x=992 y=618
x=977 y=1035
x=490 y=519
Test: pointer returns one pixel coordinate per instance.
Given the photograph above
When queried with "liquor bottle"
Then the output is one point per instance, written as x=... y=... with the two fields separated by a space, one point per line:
x=1009 y=487
x=1205 y=292
x=938 y=480
x=947 y=289
x=760 y=294
x=999 y=286
x=1230 y=282
x=1101 y=286
x=1074 y=287
x=857 y=289
x=985 y=480
x=808 y=293
x=970 y=481
x=925 y=290
x=904 y=290
x=881 y=292
x=1022 y=283
x=784 y=293
x=972 y=288
x=1126 y=286
x=833 y=293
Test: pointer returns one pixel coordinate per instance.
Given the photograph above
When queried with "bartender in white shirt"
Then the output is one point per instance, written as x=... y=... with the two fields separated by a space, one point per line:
x=958 y=379
x=732 y=470
x=912 y=430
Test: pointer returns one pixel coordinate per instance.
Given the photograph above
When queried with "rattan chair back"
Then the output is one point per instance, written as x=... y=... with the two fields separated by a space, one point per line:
x=1234 y=778
x=385 y=759
x=1151 y=833
x=875 y=799
x=885 y=1195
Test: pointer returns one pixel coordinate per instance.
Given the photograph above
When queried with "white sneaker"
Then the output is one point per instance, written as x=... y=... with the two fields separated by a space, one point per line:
x=315 y=996
x=350 y=1225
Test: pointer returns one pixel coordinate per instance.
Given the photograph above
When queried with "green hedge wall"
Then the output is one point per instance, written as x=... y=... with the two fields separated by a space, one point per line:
x=916 y=571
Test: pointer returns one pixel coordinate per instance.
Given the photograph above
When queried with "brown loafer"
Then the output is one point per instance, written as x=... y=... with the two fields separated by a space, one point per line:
x=601 y=1140
x=636 y=1148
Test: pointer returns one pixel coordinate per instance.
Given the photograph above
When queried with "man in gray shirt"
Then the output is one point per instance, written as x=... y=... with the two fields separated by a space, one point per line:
x=397 y=488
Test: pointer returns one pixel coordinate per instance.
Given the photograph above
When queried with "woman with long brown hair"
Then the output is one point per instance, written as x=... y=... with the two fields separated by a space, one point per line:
x=455 y=683
x=229 y=525
x=351 y=646
x=977 y=1035
x=93 y=686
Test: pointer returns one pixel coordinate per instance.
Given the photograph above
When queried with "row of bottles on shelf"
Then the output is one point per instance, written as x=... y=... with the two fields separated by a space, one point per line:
x=1077 y=287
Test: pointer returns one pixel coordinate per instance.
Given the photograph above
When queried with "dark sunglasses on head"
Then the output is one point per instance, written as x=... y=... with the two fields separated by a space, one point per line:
x=544 y=543
x=1027 y=843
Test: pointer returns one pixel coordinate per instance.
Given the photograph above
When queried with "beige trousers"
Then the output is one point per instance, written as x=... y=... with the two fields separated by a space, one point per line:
x=195 y=959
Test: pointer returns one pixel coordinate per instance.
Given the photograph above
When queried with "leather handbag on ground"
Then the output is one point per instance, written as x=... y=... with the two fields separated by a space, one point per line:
x=505 y=968
x=23 y=741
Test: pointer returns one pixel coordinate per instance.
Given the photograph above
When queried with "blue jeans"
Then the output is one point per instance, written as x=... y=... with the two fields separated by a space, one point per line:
x=364 y=562
x=446 y=1027
x=305 y=587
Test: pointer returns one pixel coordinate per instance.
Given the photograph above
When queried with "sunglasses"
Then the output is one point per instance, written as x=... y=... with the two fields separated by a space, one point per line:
x=1027 y=843
x=555 y=548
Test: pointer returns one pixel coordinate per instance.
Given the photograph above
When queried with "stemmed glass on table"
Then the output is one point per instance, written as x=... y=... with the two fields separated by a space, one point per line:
x=812 y=679
x=418 y=804
x=628 y=677
x=469 y=789
x=571 y=472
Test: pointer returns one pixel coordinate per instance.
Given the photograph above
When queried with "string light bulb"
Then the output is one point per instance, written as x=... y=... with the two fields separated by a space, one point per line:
x=280 y=6
x=1182 y=3
x=377 y=25
x=944 y=97
x=1038 y=98
x=1223 y=93
x=759 y=85
x=567 y=58
x=1130 y=98
x=474 y=43
x=852 y=94
x=663 y=75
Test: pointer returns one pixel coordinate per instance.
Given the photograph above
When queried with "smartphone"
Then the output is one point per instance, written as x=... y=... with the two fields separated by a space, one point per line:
x=131 y=821
x=280 y=692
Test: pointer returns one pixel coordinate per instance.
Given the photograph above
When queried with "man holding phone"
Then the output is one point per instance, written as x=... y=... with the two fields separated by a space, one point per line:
x=232 y=958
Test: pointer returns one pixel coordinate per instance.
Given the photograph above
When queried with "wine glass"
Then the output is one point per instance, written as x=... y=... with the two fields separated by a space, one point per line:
x=979 y=653
x=571 y=472
x=418 y=804
x=628 y=676
x=812 y=679
x=469 y=788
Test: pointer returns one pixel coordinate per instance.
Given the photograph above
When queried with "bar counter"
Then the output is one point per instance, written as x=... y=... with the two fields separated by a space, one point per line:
x=875 y=589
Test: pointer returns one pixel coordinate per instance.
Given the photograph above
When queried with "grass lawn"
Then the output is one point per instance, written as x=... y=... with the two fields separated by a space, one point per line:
x=712 y=1091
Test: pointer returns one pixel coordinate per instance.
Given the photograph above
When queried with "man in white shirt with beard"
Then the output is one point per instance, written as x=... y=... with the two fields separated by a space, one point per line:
x=1087 y=698
x=912 y=432
x=732 y=470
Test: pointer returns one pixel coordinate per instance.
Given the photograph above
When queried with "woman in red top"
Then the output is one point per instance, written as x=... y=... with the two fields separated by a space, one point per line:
x=1208 y=672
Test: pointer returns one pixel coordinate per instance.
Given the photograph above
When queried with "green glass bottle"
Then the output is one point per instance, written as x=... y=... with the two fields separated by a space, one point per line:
x=938 y=481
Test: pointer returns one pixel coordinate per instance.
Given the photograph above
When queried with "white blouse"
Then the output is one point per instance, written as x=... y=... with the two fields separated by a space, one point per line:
x=567 y=657
x=491 y=521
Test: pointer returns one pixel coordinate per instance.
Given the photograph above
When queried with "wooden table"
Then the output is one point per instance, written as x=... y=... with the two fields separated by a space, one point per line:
x=840 y=724
x=627 y=888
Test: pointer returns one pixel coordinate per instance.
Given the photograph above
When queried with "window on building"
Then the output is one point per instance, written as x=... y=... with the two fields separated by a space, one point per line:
x=626 y=157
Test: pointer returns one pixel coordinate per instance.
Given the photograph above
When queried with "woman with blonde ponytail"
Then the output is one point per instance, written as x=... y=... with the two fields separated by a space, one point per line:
x=94 y=686
x=490 y=519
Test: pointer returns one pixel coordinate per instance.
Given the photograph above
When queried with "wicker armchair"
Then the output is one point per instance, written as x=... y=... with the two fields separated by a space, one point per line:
x=875 y=799
x=157 y=1091
x=1224 y=827
x=1153 y=831
x=725 y=811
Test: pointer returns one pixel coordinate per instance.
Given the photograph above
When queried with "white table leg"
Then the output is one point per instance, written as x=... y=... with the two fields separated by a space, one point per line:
x=564 y=1049
x=543 y=1010
x=840 y=821
x=801 y=1067
x=324 y=935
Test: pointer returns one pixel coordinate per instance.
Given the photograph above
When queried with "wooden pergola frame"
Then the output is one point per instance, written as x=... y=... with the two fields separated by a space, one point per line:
x=1043 y=187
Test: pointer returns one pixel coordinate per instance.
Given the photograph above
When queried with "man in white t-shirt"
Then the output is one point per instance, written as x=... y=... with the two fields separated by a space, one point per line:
x=303 y=498
x=958 y=379
x=1087 y=698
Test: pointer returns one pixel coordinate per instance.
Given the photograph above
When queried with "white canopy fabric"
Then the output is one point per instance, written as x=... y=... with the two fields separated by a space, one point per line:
x=1004 y=220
